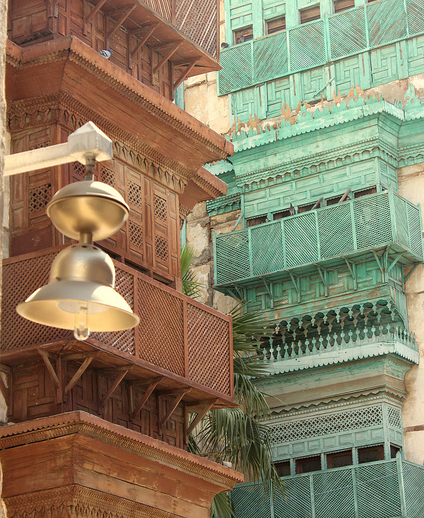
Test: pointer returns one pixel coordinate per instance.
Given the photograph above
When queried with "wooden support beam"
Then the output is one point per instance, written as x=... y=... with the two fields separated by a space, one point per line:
x=95 y=10
x=352 y=268
x=150 y=29
x=411 y=272
x=126 y=11
x=317 y=204
x=323 y=274
x=345 y=195
x=269 y=289
x=175 y=403
x=185 y=73
x=46 y=358
x=78 y=374
x=200 y=416
x=399 y=256
x=79 y=356
x=145 y=397
x=121 y=375
x=173 y=47
x=296 y=283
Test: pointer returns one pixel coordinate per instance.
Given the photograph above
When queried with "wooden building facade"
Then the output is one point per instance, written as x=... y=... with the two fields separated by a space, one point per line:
x=131 y=391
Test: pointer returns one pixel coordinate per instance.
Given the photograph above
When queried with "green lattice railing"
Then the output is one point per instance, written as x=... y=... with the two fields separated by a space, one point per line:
x=317 y=236
x=316 y=43
x=383 y=489
x=349 y=343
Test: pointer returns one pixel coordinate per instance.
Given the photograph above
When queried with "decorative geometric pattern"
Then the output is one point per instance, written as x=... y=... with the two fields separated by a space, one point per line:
x=161 y=332
x=319 y=426
x=107 y=175
x=300 y=239
x=270 y=56
x=168 y=336
x=311 y=45
x=268 y=258
x=373 y=490
x=198 y=21
x=362 y=223
x=39 y=197
x=232 y=257
x=307 y=46
x=18 y=332
x=394 y=417
x=136 y=234
x=372 y=221
x=212 y=332
x=347 y=33
x=161 y=212
x=135 y=194
x=335 y=230
x=161 y=248
x=121 y=340
x=383 y=28
x=414 y=224
x=78 y=170
x=415 y=10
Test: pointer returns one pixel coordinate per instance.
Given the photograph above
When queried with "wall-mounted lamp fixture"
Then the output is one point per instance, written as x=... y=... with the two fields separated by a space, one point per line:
x=80 y=294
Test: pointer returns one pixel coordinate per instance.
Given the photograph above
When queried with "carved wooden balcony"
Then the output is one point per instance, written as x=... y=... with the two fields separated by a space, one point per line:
x=292 y=352
x=159 y=42
x=172 y=349
x=383 y=227
x=370 y=490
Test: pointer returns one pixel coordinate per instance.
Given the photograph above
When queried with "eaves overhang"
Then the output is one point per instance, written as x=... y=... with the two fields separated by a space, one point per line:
x=70 y=75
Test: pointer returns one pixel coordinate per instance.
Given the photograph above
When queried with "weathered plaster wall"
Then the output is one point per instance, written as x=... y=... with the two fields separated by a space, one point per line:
x=411 y=186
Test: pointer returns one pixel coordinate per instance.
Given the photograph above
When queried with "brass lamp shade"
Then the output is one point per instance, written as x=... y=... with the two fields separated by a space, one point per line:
x=88 y=207
x=80 y=295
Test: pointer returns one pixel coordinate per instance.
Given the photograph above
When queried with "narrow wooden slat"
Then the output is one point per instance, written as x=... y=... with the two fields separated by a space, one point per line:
x=174 y=406
x=79 y=373
x=124 y=15
x=173 y=48
x=145 y=36
x=95 y=10
x=145 y=397
x=200 y=416
x=185 y=73
x=49 y=366
x=121 y=375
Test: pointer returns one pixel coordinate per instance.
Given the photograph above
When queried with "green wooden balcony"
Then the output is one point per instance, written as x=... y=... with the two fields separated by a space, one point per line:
x=328 y=236
x=383 y=489
x=292 y=351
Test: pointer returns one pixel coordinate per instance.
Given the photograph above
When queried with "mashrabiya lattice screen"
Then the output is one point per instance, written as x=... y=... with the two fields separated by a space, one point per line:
x=379 y=489
x=172 y=326
x=365 y=223
x=313 y=44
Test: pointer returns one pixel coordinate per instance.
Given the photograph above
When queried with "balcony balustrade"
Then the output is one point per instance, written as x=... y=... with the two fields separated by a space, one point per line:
x=373 y=490
x=290 y=352
x=326 y=236
x=178 y=338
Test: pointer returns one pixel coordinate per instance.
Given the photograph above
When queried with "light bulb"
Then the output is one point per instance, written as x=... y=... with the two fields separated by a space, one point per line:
x=81 y=329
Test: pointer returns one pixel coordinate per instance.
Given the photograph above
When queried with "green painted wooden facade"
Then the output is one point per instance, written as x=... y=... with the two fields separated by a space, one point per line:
x=322 y=244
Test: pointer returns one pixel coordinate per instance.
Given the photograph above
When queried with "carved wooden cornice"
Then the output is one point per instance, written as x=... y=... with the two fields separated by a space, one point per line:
x=160 y=130
x=61 y=425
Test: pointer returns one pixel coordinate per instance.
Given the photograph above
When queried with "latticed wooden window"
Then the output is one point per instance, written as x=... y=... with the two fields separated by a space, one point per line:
x=107 y=175
x=339 y=459
x=343 y=5
x=275 y=25
x=370 y=454
x=310 y=14
x=39 y=197
x=309 y=464
x=282 y=468
x=242 y=35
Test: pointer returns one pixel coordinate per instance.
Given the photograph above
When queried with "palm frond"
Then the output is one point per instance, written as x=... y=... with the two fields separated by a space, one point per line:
x=190 y=286
x=221 y=506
